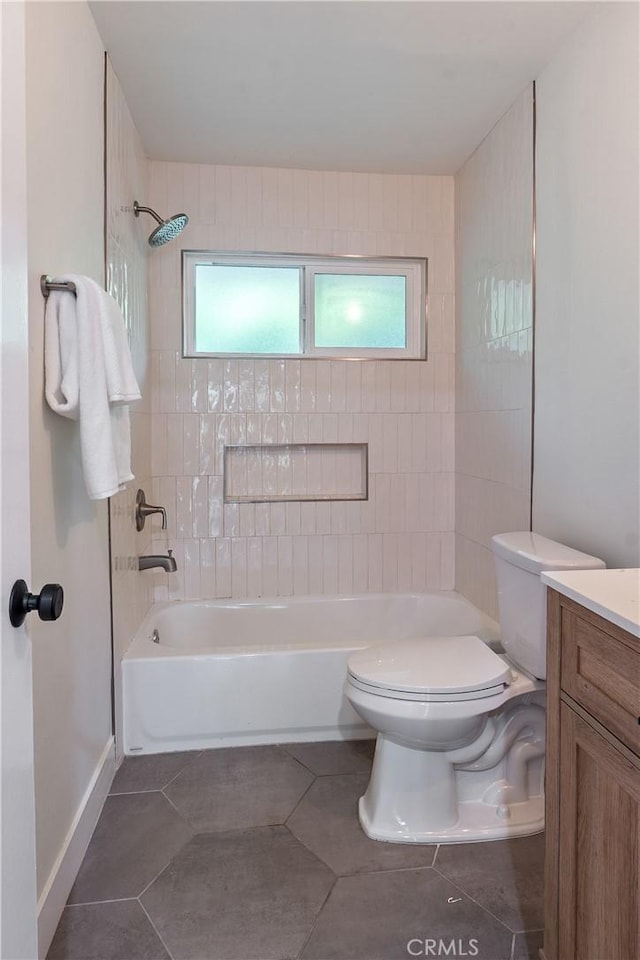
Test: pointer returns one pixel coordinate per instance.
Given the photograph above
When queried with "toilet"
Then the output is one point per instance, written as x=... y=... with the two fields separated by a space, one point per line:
x=460 y=748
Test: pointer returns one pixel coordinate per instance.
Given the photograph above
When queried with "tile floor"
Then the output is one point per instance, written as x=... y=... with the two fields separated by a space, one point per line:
x=256 y=853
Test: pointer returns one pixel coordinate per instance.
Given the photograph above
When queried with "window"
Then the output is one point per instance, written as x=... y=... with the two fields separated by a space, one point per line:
x=287 y=306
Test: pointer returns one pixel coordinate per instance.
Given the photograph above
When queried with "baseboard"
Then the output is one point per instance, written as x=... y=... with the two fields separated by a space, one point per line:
x=65 y=869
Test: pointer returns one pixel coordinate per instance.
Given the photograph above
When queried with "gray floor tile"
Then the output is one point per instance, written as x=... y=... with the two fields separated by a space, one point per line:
x=106 y=931
x=152 y=772
x=527 y=946
x=373 y=917
x=135 y=838
x=505 y=876
x=335 y=756
x=239 y=787
x=245 y=895
x=326 y=821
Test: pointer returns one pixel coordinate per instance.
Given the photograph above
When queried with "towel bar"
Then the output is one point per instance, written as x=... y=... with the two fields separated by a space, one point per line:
x=47 y=285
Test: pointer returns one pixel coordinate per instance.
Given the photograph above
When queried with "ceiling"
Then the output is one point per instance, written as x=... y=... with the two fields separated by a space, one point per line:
x=404 y=87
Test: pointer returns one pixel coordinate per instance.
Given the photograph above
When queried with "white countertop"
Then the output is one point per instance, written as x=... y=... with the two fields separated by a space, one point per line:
x=612 y=594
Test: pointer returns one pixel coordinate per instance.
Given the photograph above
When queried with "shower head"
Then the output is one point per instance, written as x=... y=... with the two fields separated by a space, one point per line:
x=166 y=229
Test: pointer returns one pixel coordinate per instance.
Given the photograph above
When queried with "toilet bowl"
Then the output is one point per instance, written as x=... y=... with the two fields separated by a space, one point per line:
x=460 y=747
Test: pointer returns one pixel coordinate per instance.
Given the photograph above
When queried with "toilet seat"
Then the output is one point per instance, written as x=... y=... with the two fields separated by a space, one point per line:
x=430 y=669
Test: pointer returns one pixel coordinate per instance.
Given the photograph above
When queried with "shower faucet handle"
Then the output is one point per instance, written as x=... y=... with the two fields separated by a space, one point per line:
x=144 y=510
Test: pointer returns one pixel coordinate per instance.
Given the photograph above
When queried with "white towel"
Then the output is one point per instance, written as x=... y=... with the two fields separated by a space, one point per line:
x=89 y=377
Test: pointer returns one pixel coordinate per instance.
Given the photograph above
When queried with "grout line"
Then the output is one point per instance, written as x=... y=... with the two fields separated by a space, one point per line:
x=283 y=749
x=377 y=870
x=146 y=913
x=312 y=852
x=317 y=918
x=513 y=947
x=135 y=793
x=182 y=769
x=126 y=793
x=162 y=870
x=180 y=814
x=93 y=903
x=285 y=822
x=435 y=856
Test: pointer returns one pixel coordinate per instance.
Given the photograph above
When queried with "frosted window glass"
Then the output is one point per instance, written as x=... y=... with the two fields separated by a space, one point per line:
x=360 y=311
x=247 y=309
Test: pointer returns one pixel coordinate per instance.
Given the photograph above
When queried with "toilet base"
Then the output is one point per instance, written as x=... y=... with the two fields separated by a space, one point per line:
x=491 y=788
x=476 y=821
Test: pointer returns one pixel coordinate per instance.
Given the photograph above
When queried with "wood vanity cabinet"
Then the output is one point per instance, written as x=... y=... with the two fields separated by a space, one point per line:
x=592 y=871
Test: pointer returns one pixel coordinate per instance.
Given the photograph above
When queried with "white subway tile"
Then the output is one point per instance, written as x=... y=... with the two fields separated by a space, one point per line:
x=434 y=565
x=300 y=561
x=418 y=555
x=360 y=563
x=261 y=386
x=270 y=566
x=389 y=442
x=230 y=386
x=308 y=518
x=215 y=386
x=247 y=519
x=323 y=517
x=223 y=567
x=231 y=520
x=323 y=386
x=375 y=562
x=382 y=380
x=254 y=567
x=215 y=506
x=174 y=445
x=184 y=507
x=345 y=564
x=381 y=488
x=398 y=381
x=338 y=385
x=191 y=562
x=159 y=445
x=389 y=562
x=285 y=566
x=330 y=564
x=263 y=519
x=277 y=385
x=405 y=573
x=238 y=567
x=278 y=523
x=190 y=444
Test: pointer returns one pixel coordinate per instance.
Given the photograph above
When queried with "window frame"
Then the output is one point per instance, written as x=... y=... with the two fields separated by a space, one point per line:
x=414 y=269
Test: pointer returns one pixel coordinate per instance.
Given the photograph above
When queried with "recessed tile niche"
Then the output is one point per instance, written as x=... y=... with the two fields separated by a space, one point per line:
x=295 y=471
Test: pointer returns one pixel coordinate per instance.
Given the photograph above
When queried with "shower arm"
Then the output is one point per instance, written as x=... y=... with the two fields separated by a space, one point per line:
x=137 y=209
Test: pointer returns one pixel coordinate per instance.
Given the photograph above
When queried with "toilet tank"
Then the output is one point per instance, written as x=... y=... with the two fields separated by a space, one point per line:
x=519 y=559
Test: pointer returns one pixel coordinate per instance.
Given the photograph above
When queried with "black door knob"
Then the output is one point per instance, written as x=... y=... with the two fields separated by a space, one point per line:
x=48 y=602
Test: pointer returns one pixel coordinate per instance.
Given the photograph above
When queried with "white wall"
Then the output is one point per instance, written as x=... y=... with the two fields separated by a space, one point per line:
x=72 y=657
x=494 y=346
x=402 y=537
x=586 y=485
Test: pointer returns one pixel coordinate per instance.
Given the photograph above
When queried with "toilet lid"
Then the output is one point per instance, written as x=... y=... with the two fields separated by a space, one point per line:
x=445 y=665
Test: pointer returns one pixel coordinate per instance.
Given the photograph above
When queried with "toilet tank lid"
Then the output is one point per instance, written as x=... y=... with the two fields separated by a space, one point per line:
x=533 y=552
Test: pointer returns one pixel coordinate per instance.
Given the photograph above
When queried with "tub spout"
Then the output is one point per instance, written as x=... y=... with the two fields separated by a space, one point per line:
x=167 y=563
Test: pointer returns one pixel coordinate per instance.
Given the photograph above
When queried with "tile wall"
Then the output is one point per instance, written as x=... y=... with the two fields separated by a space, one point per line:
x=126 y=255
x=494 y=347
x=402 y=538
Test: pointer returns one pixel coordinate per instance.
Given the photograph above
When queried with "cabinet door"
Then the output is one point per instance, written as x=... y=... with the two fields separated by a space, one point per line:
x=599 y=875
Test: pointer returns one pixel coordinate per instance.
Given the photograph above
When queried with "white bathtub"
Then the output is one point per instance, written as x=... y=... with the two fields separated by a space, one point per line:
x=228 y=673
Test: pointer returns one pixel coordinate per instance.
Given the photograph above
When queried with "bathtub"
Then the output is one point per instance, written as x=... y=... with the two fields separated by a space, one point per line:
x=228 y=673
